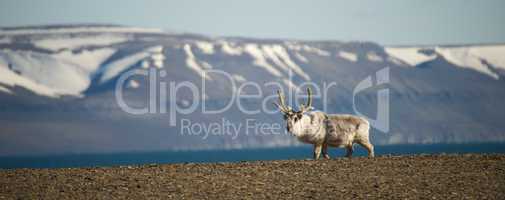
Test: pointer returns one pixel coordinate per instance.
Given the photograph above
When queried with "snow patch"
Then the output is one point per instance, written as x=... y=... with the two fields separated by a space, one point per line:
x=238 y=78
x=71 y=43
x=301 y=58
x=270 y=54
x=470 y=57
x=158 y=56
x=192 y=63
x=90 y=61
x=409 y=55
x=206 y=65
x=12 y=79
x=316 y=50
x=260 y=60
x=230 y=49
x=466 y=58
x=155 y=49
x=348 y=56
x=280 y=57
x=205 y=47
x=374 y=57
x=158 y=59
x=298 y=47
x=158 y=64
x=5 y=90
x=133 y=84
x=43 y=74
x=493 y=54
x=395 y=60
x=144 y=64
x=114 y=68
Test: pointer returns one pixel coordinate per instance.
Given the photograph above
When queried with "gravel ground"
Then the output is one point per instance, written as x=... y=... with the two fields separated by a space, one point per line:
x=385 y=177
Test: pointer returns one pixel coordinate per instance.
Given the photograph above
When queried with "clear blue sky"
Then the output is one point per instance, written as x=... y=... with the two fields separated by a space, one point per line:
x=386 y=22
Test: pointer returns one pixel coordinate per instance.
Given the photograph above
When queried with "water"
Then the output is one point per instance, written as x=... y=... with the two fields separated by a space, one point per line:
x=138 y=158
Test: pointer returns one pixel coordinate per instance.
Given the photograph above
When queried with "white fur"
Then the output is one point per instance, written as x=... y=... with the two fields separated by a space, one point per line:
x=308 y=131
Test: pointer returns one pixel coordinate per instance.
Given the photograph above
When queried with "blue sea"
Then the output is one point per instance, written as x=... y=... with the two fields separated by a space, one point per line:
x=305 y=152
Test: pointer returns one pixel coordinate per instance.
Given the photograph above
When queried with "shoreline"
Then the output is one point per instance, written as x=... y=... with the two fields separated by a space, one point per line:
x=231 y=155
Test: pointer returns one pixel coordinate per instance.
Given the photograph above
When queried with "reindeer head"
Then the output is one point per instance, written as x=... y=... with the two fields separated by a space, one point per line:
x=291 y=116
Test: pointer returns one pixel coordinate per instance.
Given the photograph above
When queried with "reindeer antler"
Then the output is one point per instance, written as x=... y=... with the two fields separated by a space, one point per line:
x=282 y=104
x=308 y=105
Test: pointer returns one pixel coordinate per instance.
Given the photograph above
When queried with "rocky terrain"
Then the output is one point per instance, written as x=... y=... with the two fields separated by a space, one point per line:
x=387 y=177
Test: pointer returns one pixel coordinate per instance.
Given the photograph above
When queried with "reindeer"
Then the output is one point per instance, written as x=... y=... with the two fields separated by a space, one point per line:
x=323 y=130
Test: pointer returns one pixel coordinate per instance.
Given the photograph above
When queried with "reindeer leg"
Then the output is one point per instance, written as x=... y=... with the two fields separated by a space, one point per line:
x=369 y=147
x=317 y=151
x=325 y=151
x=349 y=151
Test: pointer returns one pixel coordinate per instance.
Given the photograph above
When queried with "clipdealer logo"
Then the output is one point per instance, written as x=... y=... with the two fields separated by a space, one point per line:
x=160 y=103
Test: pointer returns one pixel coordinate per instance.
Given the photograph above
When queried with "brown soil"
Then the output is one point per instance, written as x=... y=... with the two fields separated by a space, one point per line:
x=387 y=177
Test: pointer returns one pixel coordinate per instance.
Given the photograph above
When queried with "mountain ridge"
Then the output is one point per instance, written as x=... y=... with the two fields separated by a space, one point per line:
x=67 y=79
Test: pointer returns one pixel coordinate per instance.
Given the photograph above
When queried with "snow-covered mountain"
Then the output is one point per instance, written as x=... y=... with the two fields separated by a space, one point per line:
x=57 y=88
